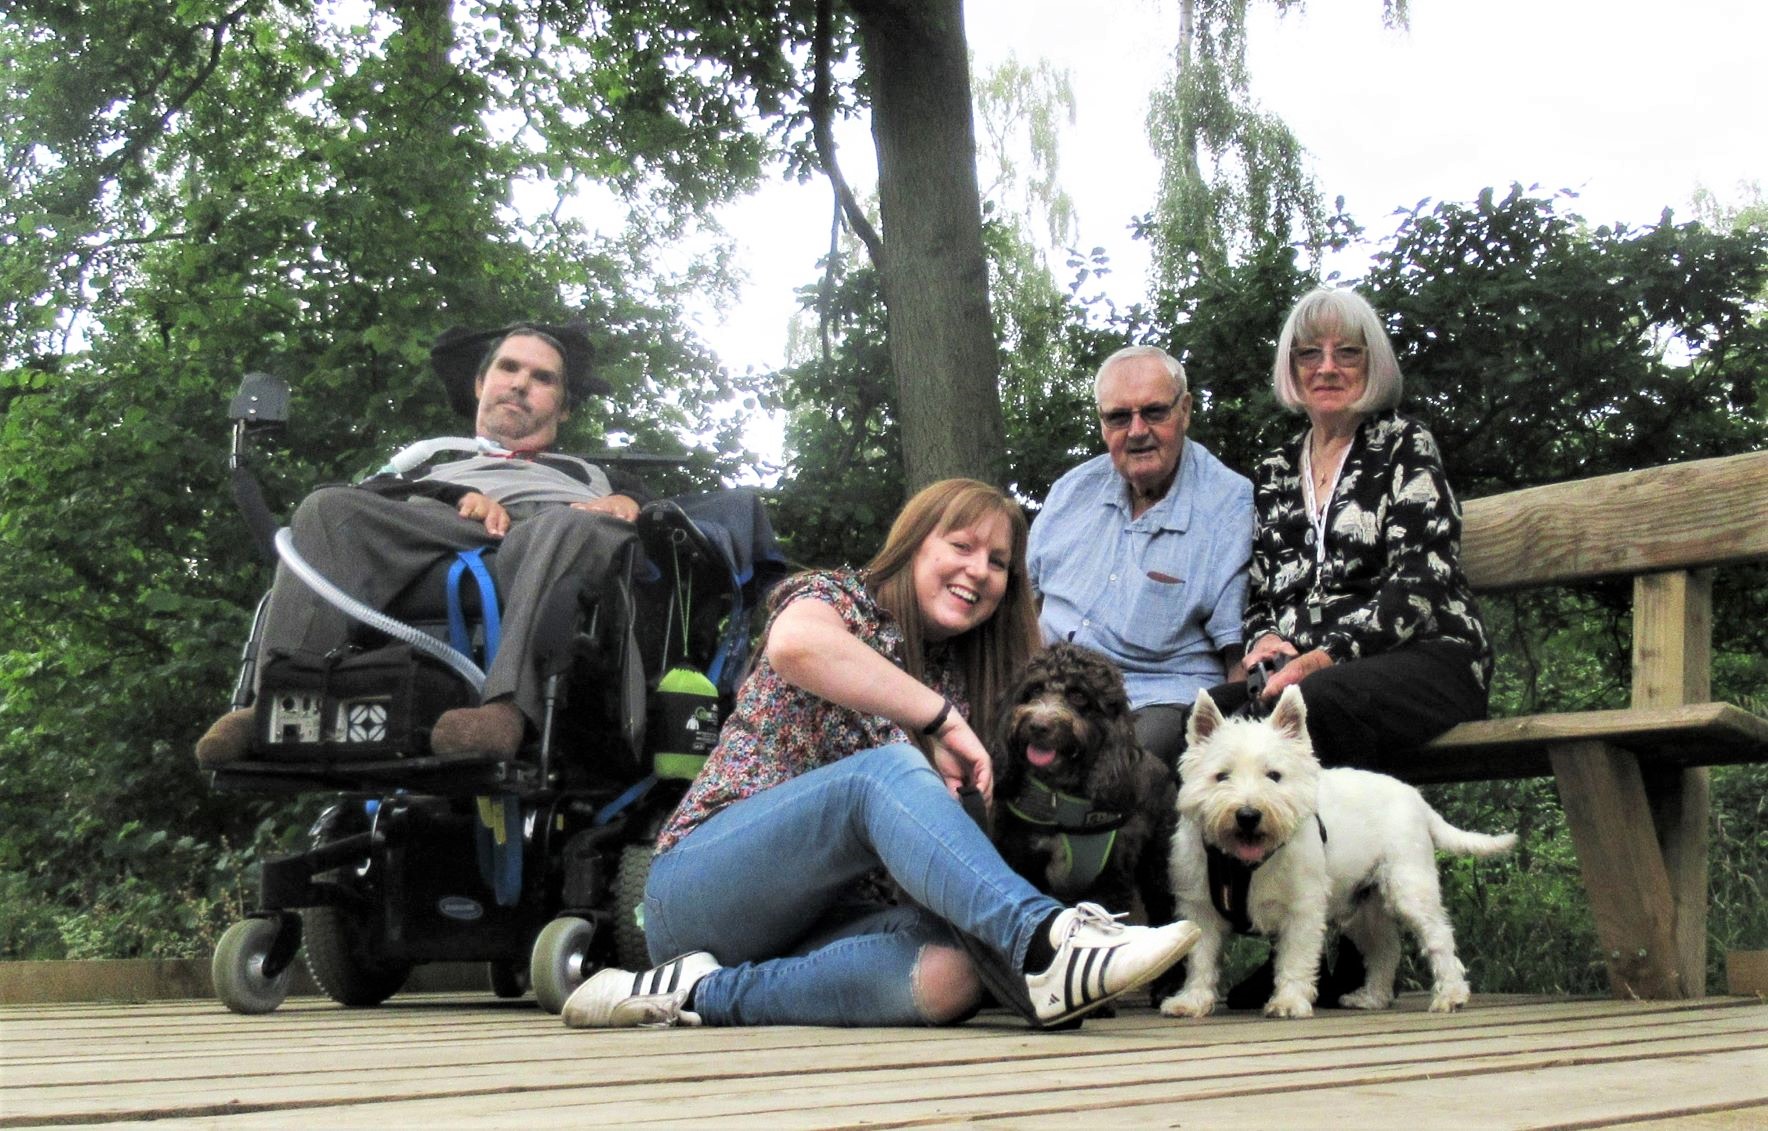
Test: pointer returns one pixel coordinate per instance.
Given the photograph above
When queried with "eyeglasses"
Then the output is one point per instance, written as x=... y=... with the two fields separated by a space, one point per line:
x=1310 y=358
x=1117 y=419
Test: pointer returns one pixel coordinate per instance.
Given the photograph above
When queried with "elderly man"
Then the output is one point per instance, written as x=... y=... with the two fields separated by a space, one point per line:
x=552 y=516
x=1142 y=553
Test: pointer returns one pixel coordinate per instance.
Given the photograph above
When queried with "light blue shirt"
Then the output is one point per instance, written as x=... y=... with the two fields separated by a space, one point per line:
x=1161 y=594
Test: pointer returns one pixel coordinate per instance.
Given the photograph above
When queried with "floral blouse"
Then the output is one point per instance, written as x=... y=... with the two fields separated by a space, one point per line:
x=1391 y=570
x=777 y=731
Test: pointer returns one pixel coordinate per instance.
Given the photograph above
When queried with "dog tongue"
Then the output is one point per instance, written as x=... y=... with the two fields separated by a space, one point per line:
x=1249 y=853
x=1040 y=756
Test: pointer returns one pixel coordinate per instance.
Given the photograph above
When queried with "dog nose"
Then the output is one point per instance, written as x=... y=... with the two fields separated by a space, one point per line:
x=1247 y=818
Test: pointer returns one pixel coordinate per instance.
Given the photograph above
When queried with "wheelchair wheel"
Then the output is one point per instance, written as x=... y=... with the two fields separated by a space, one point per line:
x=339 y=947
x=561 y=960
x=509 y=980
x=238 y=968
x=630 y=952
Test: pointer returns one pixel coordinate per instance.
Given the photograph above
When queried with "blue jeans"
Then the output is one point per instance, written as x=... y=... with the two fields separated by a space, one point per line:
x=766 y=884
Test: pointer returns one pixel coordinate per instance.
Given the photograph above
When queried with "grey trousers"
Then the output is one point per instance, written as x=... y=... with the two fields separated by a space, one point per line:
x=1160 y=730
x=372 y=547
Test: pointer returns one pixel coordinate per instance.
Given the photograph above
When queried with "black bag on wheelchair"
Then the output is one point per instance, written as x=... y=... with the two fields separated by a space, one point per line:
x=353 y=704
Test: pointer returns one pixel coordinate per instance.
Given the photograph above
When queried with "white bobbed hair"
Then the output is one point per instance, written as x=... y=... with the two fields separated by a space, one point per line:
x=1340 y=313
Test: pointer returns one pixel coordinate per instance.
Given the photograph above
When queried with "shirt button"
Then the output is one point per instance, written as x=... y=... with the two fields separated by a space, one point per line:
x=1114 y=577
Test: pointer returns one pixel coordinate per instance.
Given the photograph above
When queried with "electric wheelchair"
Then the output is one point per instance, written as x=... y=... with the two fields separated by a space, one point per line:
x=534 y=865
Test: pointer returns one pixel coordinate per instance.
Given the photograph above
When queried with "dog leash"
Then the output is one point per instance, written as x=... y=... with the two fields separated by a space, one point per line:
x=1256 y=677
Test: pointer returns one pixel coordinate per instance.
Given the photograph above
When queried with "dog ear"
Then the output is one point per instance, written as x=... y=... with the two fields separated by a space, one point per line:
x=1290 y=716
x=1112 y=781
x=1205 y=718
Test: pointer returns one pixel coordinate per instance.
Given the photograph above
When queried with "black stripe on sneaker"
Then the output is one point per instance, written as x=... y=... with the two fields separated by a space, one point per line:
x=1080 y=990
x=661 y=979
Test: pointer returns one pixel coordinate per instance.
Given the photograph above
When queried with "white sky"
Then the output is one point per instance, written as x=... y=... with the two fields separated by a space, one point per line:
x=1632 y=104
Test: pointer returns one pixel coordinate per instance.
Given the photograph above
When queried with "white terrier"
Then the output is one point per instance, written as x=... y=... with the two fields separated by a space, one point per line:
x=1344 y=846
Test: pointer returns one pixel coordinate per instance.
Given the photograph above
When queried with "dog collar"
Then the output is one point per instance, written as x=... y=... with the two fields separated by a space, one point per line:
x=1230 y=879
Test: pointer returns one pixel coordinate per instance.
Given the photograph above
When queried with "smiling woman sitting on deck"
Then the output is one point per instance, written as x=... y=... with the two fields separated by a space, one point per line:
x=841 y=765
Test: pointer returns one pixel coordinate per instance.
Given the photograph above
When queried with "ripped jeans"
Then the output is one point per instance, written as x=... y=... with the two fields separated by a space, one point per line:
x=766 y=884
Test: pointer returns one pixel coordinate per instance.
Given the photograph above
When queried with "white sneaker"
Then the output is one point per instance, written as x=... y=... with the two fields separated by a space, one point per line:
x=1099 y=959
x=620 y=999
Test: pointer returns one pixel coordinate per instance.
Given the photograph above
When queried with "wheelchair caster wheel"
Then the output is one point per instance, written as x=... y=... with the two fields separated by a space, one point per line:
x=561 y=961
x=239 y=964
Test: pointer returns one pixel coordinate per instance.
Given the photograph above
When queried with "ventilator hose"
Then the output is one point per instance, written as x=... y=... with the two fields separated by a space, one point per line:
x=374 y=618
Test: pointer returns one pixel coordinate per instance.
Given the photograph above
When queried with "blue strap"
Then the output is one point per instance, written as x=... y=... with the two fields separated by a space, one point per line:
x=614 y=808
x=457 y=621
x=733 y=646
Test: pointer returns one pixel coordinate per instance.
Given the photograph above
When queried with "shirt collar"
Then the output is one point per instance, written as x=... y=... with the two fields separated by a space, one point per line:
x=1173 y=511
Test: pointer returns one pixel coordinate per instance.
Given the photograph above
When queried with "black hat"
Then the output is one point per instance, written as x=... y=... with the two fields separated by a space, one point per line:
x=458 y=352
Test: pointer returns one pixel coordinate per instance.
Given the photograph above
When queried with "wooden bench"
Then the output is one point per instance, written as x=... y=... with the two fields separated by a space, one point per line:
x=1632 y=782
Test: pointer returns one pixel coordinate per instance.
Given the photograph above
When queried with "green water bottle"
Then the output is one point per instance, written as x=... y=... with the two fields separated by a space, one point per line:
x=685 y=728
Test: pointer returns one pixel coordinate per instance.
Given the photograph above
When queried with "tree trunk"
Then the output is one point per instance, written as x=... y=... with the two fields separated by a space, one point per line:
x=935 y=277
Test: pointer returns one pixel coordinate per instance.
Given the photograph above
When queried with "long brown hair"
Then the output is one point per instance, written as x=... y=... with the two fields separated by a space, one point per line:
x=991 y=654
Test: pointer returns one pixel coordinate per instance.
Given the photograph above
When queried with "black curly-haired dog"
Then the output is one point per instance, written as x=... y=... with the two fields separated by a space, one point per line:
x=1081 y=810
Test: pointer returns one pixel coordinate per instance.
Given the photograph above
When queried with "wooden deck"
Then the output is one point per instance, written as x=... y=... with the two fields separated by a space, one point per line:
x=448 y=1060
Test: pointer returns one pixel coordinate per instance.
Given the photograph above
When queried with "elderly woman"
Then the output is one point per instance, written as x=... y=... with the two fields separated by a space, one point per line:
x=1356 y=572
x=1356 y=582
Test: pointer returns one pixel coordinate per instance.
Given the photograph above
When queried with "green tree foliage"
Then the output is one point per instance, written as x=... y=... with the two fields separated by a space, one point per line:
x=1589 y=350
x=1232 y=175
x=193 y=191
x=845 y=482
x=1750 y=215
x=1048 y=342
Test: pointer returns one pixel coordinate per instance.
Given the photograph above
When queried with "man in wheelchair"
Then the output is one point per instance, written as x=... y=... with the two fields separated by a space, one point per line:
x=552 y=517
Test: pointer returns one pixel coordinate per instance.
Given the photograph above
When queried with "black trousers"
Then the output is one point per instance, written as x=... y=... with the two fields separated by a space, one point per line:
x=1370 y=712
x=1375 y=711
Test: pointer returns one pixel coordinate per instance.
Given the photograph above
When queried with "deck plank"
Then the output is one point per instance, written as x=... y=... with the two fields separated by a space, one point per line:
x=452 y=1060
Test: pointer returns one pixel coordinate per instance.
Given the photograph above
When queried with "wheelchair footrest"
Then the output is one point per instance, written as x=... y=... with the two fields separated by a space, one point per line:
x=448 y=777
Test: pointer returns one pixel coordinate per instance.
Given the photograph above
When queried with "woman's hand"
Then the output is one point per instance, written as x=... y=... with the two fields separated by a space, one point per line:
x=1296 y=670
x=1267 y=647
x=810 y=647
x=483 y=508
x=961 y=759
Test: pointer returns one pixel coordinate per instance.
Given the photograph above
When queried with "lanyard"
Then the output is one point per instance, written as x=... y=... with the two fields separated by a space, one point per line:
x=1316 y=511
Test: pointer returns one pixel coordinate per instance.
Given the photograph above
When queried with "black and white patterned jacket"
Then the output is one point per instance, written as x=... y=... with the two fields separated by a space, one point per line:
x=1392 y=567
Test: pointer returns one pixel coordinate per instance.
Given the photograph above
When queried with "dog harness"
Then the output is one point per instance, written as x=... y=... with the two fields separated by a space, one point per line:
x=1084 y=835
x=1230 y=880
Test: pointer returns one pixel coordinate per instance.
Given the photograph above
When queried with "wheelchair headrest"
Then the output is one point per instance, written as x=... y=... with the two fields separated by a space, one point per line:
x=458 y=351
